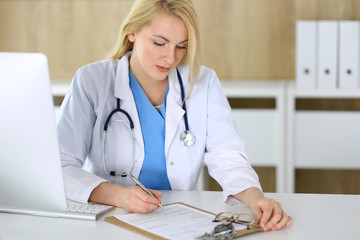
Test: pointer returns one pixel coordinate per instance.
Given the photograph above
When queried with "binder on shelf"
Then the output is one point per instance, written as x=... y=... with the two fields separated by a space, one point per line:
x=306 y=39
x=349 y=50
x=327 y=54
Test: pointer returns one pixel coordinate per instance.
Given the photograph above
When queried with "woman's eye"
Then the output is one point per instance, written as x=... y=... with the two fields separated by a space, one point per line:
x=158 y=44
x=181 y=47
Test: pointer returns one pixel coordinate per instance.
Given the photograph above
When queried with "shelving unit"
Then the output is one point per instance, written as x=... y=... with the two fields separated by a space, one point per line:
x=318 y=138
x=261 y=122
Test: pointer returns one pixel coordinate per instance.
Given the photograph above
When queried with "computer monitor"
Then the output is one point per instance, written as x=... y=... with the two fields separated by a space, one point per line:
x=30 y=166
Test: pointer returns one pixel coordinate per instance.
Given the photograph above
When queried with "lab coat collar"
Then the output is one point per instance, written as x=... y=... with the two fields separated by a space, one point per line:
x=123 y=91
x=122 y=88
x=174 y=110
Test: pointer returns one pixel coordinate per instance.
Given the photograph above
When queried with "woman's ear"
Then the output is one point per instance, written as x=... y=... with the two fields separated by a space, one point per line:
x=131 y=37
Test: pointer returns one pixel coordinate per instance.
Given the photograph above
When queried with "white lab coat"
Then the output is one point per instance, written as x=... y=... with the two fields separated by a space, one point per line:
x=92 y=97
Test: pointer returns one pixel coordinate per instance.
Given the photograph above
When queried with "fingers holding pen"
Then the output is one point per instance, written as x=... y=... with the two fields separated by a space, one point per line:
x=154 y=200
x=157 y=194
x=136 y=200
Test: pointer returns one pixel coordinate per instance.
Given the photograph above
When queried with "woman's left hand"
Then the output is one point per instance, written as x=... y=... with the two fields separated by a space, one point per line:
x=270 y=214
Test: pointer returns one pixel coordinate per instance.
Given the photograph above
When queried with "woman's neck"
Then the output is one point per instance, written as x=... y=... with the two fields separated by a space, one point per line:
x=153 y=89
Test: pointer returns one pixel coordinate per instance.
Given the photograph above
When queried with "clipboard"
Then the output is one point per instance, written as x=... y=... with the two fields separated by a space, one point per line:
x=116 y=221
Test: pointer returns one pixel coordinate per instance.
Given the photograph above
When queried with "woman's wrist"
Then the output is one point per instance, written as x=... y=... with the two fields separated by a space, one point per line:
x=107 y=193
x=250 y=196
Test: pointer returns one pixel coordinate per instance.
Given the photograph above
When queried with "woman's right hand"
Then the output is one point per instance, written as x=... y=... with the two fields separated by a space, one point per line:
x=133 y=199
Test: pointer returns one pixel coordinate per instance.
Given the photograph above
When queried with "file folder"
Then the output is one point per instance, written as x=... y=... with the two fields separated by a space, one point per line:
x=349 y=50
x=306 y=39
x=327 y=54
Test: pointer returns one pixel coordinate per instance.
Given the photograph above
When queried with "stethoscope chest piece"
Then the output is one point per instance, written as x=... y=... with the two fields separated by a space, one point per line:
x=187 y=138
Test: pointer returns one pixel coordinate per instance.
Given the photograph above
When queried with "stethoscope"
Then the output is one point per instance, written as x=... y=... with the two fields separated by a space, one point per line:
x=186 y=137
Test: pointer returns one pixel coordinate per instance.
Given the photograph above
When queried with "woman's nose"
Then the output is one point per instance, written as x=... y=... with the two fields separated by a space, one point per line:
x=170 y=56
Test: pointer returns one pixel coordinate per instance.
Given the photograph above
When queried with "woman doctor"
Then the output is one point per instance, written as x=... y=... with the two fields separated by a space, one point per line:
x=163 y=114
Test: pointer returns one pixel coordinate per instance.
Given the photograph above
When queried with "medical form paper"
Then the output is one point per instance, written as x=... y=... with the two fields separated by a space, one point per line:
x=178 y=221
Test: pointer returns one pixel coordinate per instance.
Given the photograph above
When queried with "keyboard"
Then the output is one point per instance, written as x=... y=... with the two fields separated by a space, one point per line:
x=75 y=210
x=87 y=208
x=87 y=211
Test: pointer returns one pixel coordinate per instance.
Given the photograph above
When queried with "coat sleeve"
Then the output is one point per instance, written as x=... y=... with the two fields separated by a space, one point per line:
x=225 y=150
x=75 y=128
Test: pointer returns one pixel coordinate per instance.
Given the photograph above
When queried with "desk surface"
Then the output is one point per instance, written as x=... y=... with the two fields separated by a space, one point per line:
x=315 y=217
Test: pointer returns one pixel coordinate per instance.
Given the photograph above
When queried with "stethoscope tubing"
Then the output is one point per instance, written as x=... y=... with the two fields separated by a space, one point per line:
x=118 y=109
x=183 y=100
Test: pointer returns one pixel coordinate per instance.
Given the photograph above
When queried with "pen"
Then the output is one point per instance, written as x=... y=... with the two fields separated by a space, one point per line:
x=143 y=187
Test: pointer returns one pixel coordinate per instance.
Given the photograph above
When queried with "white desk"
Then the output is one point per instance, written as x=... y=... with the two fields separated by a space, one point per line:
x=315 y=217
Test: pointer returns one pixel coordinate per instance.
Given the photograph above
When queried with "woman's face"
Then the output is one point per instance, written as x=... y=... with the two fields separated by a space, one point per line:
x=158 y=48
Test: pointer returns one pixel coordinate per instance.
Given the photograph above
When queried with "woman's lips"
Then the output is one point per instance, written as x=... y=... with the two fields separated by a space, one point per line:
x=162 y=69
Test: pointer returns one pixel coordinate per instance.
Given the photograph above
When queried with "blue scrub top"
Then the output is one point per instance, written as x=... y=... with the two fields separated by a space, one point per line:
x=153 y=173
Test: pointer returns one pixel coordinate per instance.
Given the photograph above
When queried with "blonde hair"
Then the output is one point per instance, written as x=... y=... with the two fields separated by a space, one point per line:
x=144 y=11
